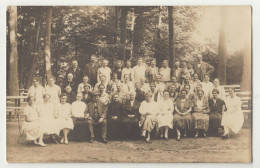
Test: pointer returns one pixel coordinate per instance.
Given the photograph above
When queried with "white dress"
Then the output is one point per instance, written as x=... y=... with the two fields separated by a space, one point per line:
x=165 y=73
x=127 y=71
x=139 y=73
x=104 y=98
x=128 y=87
x=37 y=93
x=207 y=88
x=55 y=92
x=104 y=71
x=164 y=115
x=64 y=115
x=78 y=108
x=32 y=126
x=48 y=123
x=233 y=118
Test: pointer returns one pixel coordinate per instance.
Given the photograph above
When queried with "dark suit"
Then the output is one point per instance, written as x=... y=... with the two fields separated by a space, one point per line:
x=140 y=95
x=205 y=68
x=77 y=75
x=97 y=111
x=131 y=124
x=72 y=84
x=215 y=115
x=87 y=99
x=91 y=71
x=71 y=97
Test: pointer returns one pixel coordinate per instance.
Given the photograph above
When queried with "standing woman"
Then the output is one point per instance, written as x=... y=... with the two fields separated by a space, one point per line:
x=200 y=114
x=63 y=114
x=49 y=124
x=165 y=116
x=31 y=125
x=182 y=118
x=148 y=113
x=53 y=90
x=217 y=107
x=233 y=118
x=216 y=85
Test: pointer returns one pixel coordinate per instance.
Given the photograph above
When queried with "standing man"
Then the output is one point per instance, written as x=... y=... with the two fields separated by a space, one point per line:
x=201 y=68
x=139 y=71
x=90 y=70
x=76 y=72
x=96 y=114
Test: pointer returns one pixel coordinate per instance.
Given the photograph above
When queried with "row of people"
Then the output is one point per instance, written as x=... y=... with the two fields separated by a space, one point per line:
x=184 y=115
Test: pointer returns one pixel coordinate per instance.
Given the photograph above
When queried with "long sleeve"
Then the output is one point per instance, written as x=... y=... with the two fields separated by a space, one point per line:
x=209 y=69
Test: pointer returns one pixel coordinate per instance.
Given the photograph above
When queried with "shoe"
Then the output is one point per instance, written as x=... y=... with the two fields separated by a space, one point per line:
x=225 y=136
x=91 y=140
x=105 y=141
x=62 y=141
x=196 y=136
x=205 y=135
x=178 y=138
x=35 y=142
x=147 y=140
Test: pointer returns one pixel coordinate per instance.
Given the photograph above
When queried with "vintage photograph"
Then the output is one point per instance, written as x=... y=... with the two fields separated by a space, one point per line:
x=132 y=84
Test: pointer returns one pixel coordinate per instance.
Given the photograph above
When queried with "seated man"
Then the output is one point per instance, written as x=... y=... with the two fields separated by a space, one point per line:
x=71 y=96
x=69 y=81
x=115 y=111
x=87 y=95
x=96 y=114
x=131 y=116
x=80 y=124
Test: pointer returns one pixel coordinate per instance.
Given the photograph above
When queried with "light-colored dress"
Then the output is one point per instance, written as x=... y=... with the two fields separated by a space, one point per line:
x=128 y=87
x=233 y=118
x=200 y=113
x=37 y=93
x=104 y=71
x=148 y=122
x=48 y=123
x=63 y=112
x=165 y=73
x=165 y=113
x=32 y=126
x=104 y=98
x=127 y=71
x=207 y=88
x=139 y=73
x=78 y=108
x=55 y=92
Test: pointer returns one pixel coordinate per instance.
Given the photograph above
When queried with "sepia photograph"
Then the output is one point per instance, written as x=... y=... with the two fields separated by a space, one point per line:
x=129 y=84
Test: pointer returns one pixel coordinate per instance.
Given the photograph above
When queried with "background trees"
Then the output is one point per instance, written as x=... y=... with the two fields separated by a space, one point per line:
x=49 y=38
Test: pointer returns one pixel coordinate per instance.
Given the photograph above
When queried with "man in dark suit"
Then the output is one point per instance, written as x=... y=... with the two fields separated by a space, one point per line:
x=76 y=72
x=140 y=95
x=96 y=114
x=87 y=95
x=201 y=68
x=90 y=70
x=131 y=116
x=69 y=81
x=71 y=96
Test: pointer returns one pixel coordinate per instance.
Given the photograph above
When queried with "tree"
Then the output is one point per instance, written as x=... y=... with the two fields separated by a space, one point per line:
x=171 y=37
x=12 y=85
x=123 y=28
x=222 y=50
x=47 y=50
x=246 y=76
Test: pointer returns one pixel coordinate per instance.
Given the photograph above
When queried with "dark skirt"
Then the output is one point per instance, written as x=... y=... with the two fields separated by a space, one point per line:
x=214 y=122
x=80 y=131
x=131 y=127
x=200 y=121
x=182 y=122
x=114 y=128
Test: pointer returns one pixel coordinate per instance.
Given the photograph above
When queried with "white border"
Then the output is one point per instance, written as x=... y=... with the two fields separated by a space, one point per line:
x=256 y=59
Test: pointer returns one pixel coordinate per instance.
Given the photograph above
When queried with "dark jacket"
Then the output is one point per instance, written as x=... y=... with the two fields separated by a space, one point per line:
x=71 y=97
x=101 y=109
x=205 y=68
x=132 y=110
x=216 y=108
x=77 y=75
x=140 y=95
x=72 y=84
x=115 y=109
x=91 y=72
x=87 y=99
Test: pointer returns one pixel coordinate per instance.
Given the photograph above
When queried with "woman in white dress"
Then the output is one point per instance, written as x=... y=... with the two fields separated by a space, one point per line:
x=148 y=111
x=139 y=71
x=36 y=91
x=31 y=125
x=104 y=70
x=165 y=114
x=128 y=71
x=63 y=113
x=233 y=118
x=127 y=85
x=54 y=91
x=207 y=86
x=48 y=123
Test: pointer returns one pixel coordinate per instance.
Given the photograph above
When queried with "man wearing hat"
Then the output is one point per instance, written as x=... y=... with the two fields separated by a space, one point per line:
x=90 y=70
x=96 y=114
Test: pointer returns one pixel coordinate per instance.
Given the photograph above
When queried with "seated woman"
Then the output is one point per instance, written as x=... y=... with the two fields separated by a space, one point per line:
x=63 y=114
x=233 y=118
x=104 y=96
x=31 y=125
x=148 y=111
x=115 y=112
x=131 y=116
x=172 y=92
x=48 y=123
x=127 y=85
x=80 y=124
x=200 y=114
x=217 y=107
x=83 y=84
x=182 y=118
x=165 y=114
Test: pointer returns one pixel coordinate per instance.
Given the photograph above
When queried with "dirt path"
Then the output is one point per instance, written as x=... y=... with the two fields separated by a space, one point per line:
x=211 y=149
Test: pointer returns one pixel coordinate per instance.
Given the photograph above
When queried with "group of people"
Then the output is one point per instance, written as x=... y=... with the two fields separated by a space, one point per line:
x=144 y=97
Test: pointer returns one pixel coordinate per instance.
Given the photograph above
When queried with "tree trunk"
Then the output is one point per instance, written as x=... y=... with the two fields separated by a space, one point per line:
x=13 y=84
x=123 y=29
x=222 y=50
x=132 y=32
x=47 y=50
x=246 y=76
x=171 y=37
x=36 y=46
x=116 y=25
x=158 y=36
